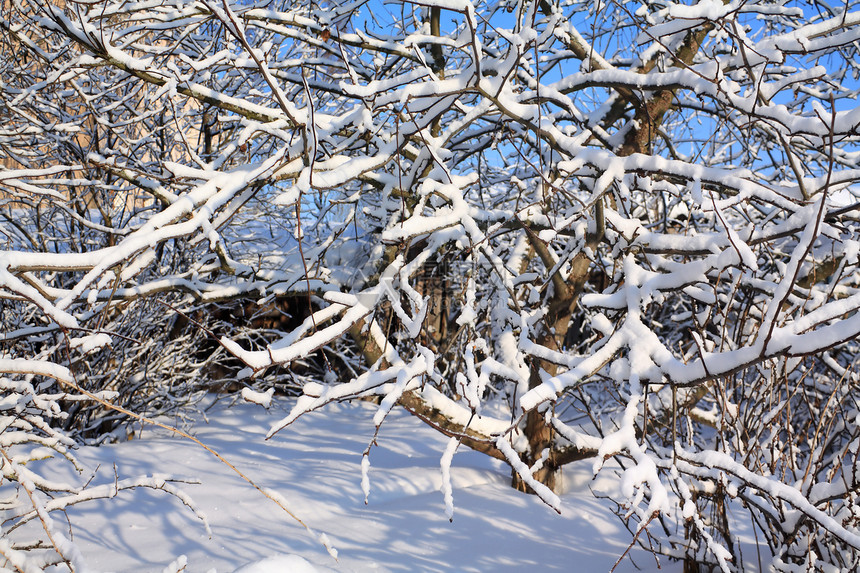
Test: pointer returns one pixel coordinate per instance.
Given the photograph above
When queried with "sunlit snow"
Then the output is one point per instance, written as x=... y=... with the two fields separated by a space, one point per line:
x=314 y=466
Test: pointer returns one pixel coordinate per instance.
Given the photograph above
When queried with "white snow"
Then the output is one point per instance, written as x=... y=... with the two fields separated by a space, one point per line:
x=264 y=399
x=280 y=564
x=91 y=342
x=314 y=466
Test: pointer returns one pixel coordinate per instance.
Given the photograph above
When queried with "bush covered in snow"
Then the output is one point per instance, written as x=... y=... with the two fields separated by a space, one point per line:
x=551 y=230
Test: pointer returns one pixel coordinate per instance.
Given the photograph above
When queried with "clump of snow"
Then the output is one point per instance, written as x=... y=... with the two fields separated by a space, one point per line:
x=177 y=566
x=91 y=342
x=288 y=198
x=264 y=399
x=313 y=389
x=447 y=491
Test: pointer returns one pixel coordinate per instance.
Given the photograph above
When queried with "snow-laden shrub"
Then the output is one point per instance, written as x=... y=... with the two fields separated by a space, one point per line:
x=551 y=230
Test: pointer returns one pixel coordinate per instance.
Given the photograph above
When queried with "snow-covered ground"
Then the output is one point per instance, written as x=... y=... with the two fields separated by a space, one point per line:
x=315 y=466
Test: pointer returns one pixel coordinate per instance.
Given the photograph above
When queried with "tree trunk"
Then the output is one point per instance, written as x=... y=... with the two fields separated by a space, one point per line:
x=649 y=116
x=540 y=436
